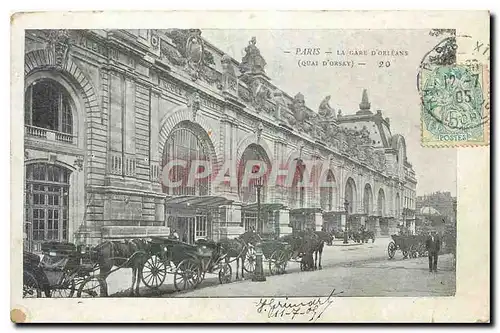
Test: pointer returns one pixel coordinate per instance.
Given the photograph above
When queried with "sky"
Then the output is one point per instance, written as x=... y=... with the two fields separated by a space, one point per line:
x=391 y=88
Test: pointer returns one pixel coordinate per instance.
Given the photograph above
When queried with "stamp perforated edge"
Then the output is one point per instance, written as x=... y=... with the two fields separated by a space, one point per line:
x=486 y=125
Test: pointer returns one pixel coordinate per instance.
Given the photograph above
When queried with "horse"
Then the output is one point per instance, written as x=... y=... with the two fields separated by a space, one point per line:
x=128 y=254
x=310 y=243
x=237 y=248
x=366 y=235
x=299 y=248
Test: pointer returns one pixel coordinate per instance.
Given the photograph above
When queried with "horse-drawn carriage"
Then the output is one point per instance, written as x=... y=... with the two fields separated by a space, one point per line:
x=298 y=247
x=362 y=236
x=188 y=263
x=63 y=271
x=412 y=246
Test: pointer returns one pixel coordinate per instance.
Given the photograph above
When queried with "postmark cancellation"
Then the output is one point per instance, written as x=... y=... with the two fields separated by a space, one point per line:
x=455 y=104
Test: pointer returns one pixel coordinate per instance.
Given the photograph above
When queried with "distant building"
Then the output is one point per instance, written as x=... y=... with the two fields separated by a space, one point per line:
x=442 y=202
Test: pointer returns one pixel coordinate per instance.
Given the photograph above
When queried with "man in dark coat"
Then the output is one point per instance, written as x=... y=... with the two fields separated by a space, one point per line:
x=433 y=245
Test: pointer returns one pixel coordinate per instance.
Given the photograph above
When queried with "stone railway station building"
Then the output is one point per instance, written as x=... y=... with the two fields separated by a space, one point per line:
x=105 y=110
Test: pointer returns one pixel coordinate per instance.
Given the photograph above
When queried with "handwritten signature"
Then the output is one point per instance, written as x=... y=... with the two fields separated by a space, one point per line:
x=314 y=308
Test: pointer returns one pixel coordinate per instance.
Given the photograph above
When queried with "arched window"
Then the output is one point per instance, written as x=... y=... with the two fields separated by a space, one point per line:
x=48 y=106
x=398 y=206
x=327 y=192
x=248 y=191
x=368 y=200
x=184 y=144
x=350 y=195
x=381 y=203
x=47 y=198
x=298 y=193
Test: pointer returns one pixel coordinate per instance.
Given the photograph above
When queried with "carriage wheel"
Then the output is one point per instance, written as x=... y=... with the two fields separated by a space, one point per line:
x=31 y=287
x=277 y=262
x=67 y=290
x=187 y=275
x=250 y=260
x=391 y=250
x=154 y=272
x=92 y=286
x=225 y=273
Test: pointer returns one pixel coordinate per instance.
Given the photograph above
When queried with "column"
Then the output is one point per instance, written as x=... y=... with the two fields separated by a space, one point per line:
x=234 y=225
x=283 y=222
x=377 y=227
x=318 y=221
x=343 y=219
x=363 y=220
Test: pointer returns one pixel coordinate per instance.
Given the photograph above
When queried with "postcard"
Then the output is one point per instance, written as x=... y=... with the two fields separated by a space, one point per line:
x=250 y=167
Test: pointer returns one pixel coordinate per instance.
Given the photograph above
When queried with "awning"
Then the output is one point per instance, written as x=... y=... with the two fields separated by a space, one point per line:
x=192 y=201
x=306 y=210
x=263 y=207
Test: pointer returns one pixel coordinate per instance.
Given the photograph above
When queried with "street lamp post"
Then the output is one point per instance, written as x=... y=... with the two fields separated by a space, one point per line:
x=346 y=229
x=258 y=275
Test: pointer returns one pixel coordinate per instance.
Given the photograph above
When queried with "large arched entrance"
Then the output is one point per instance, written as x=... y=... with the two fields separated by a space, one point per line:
x=328 y=201
x=302 y=217
x=186 y=145
x=327 y=192
x=252 y=189
x=188 y=162
x=350 y=195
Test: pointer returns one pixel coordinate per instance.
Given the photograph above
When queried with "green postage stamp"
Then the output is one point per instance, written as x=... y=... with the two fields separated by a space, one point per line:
x=455 y=107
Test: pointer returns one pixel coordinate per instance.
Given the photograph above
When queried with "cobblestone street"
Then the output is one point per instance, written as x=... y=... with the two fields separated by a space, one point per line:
x=356 y=269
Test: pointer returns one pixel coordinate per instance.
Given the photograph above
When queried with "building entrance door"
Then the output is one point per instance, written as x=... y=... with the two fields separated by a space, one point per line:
x=191 y=228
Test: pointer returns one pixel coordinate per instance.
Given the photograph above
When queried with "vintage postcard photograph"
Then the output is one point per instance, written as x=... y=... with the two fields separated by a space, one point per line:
x=250 y=167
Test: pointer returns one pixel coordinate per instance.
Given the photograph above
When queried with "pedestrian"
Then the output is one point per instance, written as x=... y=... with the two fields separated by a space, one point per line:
x=175 y=235
x=433 y=245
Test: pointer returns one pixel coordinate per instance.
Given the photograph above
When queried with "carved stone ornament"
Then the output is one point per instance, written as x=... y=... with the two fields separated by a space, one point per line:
x=155 y=41
x=188 y=52
x=229 y=78
x=52 y=158
x=280 y=104
x=300 y=118
x=252 y=62
x=325 y=110
x=258 y=130
x=194 y=103
x=58 y=43
x=78 y=163
x=301 y=148
x=259 y=92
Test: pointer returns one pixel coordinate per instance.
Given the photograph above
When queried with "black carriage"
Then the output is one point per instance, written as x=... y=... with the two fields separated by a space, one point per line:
x=187 y=263
x=362 y=236
x=63 y=271
x=412 y=246
x=277 y=253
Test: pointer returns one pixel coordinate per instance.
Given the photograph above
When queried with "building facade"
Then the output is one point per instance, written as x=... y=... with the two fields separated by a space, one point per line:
x=107 y=110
